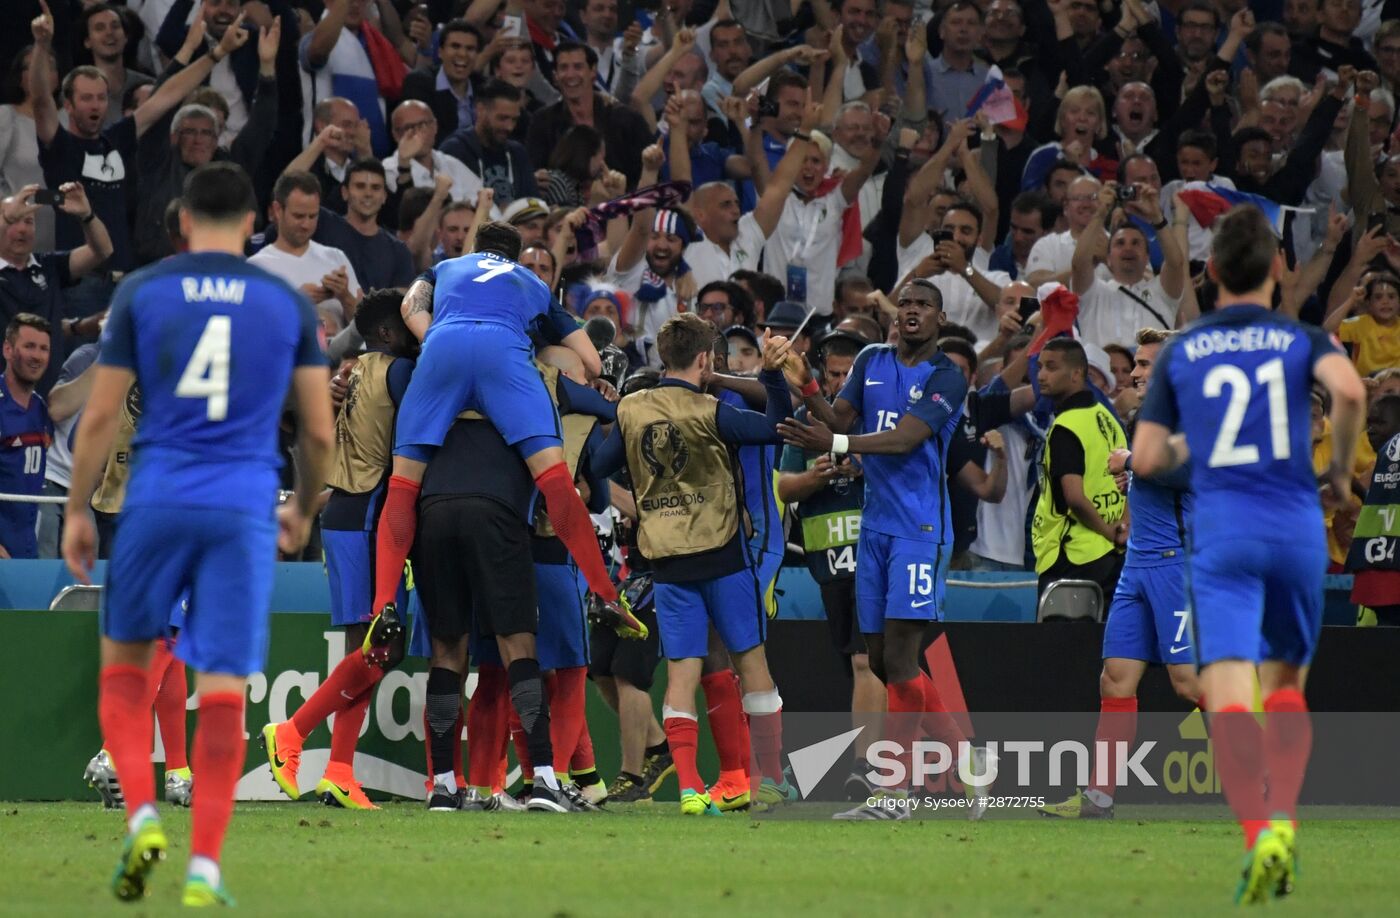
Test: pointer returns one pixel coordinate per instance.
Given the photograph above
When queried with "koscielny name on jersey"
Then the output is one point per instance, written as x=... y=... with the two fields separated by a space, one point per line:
x=217 y=289
x=1220 y=341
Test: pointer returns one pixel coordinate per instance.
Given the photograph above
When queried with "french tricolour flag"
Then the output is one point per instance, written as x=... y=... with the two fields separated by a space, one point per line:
x=997 y=102
x=1207 y=202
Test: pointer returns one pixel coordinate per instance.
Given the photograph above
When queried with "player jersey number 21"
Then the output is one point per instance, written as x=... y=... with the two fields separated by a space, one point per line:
x=1227 y=381
x=206 y=374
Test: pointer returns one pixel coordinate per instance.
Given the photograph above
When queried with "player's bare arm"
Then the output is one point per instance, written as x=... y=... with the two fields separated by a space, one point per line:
x=1156 y=450
x=819 y=437
x=96 y=430
x=315 y=443
x=582 y=345
x=839 y=415
x=417 y=308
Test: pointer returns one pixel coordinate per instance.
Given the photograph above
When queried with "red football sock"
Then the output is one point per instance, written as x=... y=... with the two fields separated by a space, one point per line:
x=124 y=712
x=393 y=538
x=170 y=713
x=1287 y=744
x=522 y=748
x=487 y=725
x=937 y=722
x=583 y=759
x=572 y=524
x=905 y=702
x=565 y=688
x=345 y=732
x=218 y=761
x=352 y=677
x=161 y=658
x=726 y=713
x=1117 y=724
x=504 y=709
x=1239 y=758
x=683 y=735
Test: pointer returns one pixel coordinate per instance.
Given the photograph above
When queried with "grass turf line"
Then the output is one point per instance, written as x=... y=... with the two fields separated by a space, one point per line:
x=285 y=859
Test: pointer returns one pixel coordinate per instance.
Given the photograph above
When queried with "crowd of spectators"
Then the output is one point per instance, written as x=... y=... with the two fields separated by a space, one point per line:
x=782 y=164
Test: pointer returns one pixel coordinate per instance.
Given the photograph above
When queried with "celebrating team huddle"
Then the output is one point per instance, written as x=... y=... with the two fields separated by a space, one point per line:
x=474 y=439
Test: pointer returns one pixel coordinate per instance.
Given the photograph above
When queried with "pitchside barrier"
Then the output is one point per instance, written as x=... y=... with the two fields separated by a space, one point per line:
x=1001 y=662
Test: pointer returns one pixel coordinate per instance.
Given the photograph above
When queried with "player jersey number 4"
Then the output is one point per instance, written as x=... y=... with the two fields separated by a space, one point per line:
x=213 y=342
x=206 y=374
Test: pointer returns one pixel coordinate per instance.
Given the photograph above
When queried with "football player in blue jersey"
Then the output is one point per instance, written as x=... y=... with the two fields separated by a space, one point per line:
x=215 y=345
x=1147 y=622
x=474 y=315
x=902 y=402
x=755 y=468
x=1233 y=392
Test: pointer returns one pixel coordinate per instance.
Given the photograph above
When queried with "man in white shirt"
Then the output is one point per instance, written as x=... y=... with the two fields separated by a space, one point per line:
x=415 y=162
x=950 y=260
x=806 y=246
x=733 y=242
x=1195 y=163
x=1050 y=258
x=1111 y=311
x=854 y=134
x=324 y=274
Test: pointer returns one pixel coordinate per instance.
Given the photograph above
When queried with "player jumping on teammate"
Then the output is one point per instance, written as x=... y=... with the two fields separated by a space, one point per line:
x=474 y=315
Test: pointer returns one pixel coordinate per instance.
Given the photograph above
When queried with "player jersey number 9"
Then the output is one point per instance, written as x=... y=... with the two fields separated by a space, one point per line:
x=1226 y=451
x=206 y=374
x=491 y=268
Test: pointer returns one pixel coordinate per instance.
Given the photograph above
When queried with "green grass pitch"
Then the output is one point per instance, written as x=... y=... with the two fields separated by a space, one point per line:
x=304 y=859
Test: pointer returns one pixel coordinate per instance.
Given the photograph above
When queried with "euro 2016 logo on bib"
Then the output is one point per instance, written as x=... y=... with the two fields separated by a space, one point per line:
x=664 y=450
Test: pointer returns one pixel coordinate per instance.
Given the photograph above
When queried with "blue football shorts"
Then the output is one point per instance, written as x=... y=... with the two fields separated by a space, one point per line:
x=224 y=559
x=1149 y=619
x=480 y=366
x=899 y=578
x=1255 y=600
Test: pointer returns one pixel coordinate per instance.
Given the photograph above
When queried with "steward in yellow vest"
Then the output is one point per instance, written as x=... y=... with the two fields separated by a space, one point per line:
x=1079 y=528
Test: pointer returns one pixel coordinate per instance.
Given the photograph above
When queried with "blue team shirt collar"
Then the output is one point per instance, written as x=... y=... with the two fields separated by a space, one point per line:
x=1238 y=312
x=675 y=381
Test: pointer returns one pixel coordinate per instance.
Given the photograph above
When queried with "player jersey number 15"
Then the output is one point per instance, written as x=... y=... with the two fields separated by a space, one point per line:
x=1227 y=380
x=206 y=373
